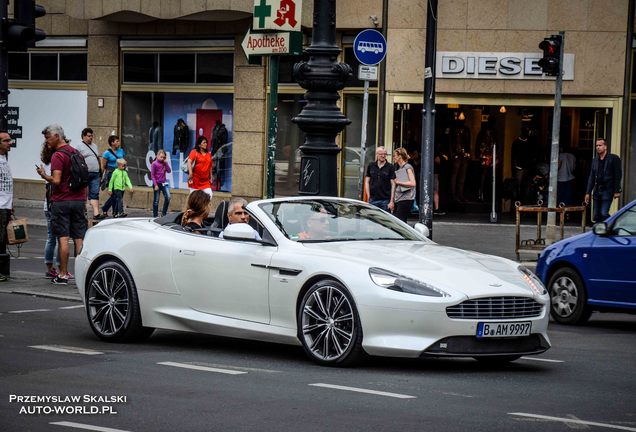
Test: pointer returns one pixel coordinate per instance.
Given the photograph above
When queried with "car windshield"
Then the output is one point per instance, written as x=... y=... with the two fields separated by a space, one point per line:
x=315 y=220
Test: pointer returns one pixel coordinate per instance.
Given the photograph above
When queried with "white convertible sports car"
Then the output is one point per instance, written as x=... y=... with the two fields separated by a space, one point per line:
x=337 y=276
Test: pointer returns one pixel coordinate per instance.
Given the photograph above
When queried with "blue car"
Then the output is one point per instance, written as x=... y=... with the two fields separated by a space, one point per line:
x=593 y=271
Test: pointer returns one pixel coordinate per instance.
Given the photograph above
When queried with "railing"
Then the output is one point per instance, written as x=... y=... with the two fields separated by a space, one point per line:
x=538 y=244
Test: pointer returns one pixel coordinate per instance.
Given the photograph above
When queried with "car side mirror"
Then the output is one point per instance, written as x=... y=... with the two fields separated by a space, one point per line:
x=422 y=229
x=238 y=231
x=600 y=229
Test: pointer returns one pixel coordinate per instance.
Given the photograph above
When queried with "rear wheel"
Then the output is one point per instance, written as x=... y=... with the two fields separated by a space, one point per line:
x=568 y=297
x=113 y=306
x=328 y=325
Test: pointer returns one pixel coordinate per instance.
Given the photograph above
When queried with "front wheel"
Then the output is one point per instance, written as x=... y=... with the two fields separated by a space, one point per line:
x=329 y=326
x=568 y=297
x=113 y=306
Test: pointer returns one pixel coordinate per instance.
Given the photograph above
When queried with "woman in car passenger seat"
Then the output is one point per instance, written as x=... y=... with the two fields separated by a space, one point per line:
x=197 y=210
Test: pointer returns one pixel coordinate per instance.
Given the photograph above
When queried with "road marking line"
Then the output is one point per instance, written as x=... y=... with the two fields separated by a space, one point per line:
x=543 y=360
x=361 y=390
x=29 y=310
x=567 y=420
x=86 y=426
x=72 y=307
x=202 y=368
x=66 y=349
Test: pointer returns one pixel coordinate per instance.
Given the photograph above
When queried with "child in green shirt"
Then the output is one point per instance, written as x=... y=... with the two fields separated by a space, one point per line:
x=119 y=181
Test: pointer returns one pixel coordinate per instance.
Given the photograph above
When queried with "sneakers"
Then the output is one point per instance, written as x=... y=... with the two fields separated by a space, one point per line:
x=70 y=276
x=121 y=215
x=3 y=278
x=50 y=274
x=59 y=280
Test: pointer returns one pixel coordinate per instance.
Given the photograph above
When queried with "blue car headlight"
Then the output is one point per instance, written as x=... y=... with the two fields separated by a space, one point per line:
x=396 y=282
x=532 y=280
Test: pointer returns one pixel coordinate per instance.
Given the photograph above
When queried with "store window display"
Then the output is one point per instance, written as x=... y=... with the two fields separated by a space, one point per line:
x=173 y=122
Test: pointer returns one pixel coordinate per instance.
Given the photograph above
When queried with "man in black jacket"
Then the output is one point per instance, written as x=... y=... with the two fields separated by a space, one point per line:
x=604 y=182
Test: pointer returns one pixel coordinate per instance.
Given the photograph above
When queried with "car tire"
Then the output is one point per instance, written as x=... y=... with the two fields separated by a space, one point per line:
x=112 y=305
x=568 y=297
x=329 y=325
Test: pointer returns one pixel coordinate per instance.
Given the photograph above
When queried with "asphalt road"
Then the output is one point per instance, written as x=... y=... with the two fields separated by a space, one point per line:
x=179 y=381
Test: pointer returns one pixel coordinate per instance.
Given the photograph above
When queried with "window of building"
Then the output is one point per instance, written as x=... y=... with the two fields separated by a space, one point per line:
x=48 y=66
x=179 y=68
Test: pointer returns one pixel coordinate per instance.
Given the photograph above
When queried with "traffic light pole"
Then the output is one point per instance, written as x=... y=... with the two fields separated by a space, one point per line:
x=554 y=153
x=4 y=72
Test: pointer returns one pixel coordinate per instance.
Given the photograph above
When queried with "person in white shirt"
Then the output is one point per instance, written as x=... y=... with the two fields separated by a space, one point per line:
x=91 y=155
x=6 y=202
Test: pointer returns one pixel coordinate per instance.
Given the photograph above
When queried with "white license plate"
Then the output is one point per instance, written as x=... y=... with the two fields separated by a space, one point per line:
x=503 y=329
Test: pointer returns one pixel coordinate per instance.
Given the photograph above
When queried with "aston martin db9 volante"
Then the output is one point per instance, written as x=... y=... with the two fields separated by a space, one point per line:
x=339 y=277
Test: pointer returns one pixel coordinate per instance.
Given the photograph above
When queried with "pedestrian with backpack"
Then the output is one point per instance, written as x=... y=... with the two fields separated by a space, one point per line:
x=109 y=165
x=69 y=178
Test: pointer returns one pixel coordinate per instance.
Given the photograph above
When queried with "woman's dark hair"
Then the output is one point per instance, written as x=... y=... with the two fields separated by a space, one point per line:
x=199 y=141
x=198 y=204
x=45 y=154
x=112 y=139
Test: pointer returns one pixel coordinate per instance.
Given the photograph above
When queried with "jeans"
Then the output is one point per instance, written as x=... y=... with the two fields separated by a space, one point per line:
x=382 y=204
x=118 y=202
x=110 y=201
x=165 y=189
x=601 y=208
x=50 y=249
x=93 y=185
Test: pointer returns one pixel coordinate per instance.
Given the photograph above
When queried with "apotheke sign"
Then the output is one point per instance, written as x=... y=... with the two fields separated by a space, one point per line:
x=496 y=65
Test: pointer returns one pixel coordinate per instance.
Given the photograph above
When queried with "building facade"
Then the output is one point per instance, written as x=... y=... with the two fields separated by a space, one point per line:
x=144 y=69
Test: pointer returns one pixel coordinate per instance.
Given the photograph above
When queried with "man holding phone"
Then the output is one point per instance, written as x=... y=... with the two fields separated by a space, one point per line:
x=6 y=202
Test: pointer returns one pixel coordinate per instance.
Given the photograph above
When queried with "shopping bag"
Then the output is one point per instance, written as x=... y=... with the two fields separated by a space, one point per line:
x=17 y=231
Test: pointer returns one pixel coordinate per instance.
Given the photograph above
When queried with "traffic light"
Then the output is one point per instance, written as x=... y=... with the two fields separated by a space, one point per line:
x=550 y=63
x=21 y=32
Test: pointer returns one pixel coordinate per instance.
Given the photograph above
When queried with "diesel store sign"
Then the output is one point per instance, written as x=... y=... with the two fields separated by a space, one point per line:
x=496 y=65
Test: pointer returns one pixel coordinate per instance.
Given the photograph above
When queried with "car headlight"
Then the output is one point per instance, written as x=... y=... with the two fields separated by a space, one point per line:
x=396 y=282
x=532 y=280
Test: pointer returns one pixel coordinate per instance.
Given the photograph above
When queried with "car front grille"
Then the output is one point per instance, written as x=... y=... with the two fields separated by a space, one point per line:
x=496 y=308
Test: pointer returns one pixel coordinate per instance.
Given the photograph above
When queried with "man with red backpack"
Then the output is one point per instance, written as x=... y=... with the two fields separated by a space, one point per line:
x=68 y=197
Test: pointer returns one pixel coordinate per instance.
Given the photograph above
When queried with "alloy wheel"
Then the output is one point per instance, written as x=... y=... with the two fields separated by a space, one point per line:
x=564 y=296
x=108 y=301
x=328 y=323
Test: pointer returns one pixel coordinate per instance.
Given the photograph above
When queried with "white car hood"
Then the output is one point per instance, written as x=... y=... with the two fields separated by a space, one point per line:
x=453 y=270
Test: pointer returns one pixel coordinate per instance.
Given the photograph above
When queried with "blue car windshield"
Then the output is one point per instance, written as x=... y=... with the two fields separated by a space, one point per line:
x=316 y=220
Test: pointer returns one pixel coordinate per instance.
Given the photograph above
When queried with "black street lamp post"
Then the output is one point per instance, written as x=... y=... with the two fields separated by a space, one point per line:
x=321 y=119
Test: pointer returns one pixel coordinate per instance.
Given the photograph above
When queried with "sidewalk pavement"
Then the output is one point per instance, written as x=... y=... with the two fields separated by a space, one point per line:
x=465 y=231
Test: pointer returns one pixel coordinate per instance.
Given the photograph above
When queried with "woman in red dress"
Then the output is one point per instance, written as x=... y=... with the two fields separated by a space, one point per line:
x=200 y=167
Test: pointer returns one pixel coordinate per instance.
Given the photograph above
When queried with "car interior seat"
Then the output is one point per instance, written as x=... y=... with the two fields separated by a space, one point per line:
x=220 y=215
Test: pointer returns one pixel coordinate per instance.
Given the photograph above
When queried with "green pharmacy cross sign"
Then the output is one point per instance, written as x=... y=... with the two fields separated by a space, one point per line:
x=261 y=11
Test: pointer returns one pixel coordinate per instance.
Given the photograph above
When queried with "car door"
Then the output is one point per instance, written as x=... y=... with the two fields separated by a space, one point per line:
x=612 y=262
x=223 y=277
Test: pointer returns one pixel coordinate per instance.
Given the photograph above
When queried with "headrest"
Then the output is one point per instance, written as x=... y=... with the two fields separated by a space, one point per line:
x=220 y=216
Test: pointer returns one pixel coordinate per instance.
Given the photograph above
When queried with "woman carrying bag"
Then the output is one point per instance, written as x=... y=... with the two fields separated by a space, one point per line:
x=404 y=184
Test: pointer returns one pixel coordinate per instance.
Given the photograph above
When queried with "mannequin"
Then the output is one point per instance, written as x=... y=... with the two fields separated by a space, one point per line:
x=460 y=157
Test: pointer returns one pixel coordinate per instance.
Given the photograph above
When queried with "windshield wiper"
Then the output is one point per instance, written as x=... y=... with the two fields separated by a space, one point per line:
x=338 y=239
